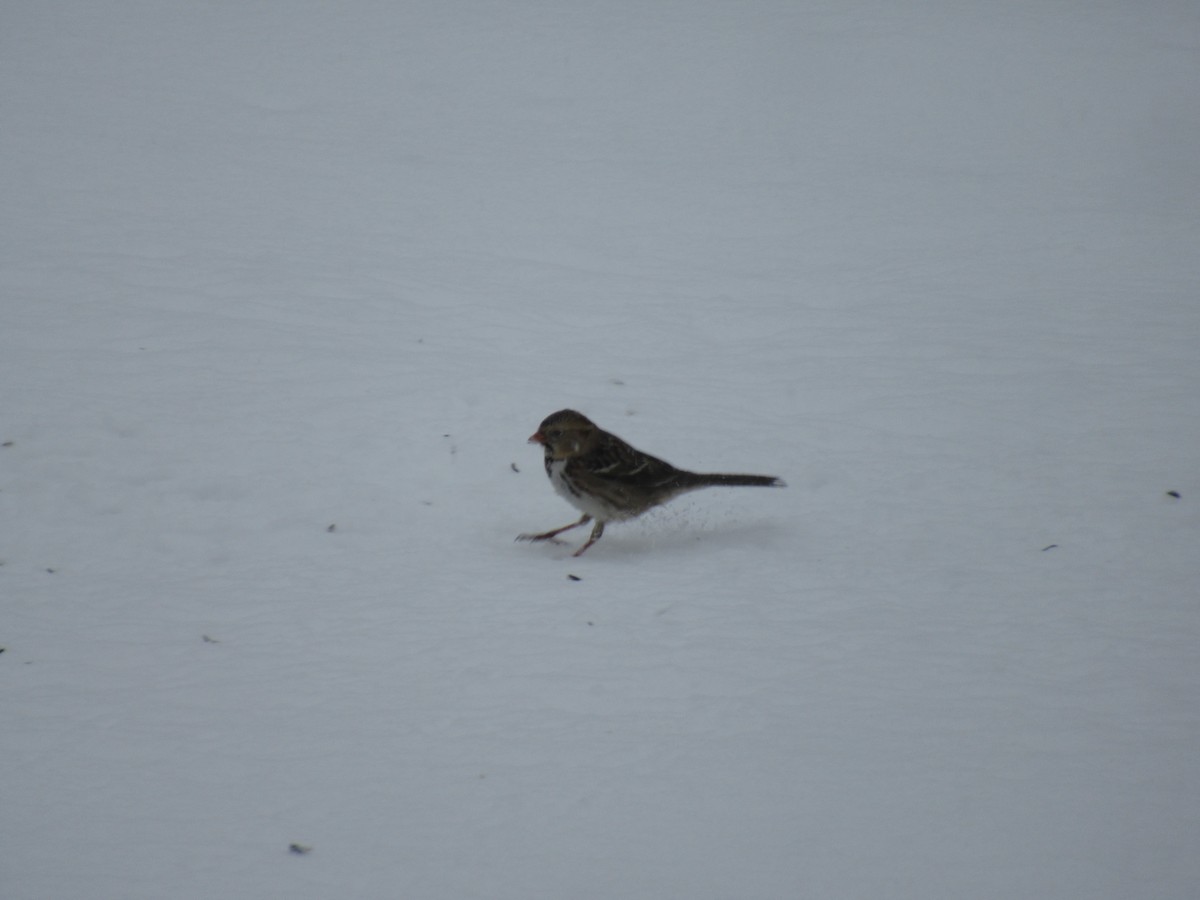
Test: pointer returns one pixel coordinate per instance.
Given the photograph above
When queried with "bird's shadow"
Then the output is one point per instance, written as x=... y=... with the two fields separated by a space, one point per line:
x=669 y=535
x=684 y=537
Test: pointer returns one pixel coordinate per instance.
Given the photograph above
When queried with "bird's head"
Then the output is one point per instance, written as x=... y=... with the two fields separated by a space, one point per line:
x=565 y=434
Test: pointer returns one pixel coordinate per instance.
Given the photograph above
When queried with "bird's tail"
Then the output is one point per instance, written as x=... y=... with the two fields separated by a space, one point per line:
x=699 y=480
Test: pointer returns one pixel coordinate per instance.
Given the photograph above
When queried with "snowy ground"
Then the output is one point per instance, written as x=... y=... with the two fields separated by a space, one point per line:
x=285 y=287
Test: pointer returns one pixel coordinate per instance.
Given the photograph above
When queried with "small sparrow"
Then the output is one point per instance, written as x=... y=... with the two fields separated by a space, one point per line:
x=608 y=480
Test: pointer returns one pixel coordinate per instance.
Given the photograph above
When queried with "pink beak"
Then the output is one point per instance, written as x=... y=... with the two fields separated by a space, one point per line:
x=537 y=438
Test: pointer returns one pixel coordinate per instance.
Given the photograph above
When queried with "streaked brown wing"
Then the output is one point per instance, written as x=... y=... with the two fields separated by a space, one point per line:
x=613 y=460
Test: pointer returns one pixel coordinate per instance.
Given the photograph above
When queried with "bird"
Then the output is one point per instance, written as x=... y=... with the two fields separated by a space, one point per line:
x=608 y=480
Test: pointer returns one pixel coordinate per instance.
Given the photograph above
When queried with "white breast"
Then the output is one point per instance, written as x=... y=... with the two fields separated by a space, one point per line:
x=593 y=506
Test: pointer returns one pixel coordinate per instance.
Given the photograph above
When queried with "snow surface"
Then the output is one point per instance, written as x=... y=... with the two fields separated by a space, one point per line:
x=285 y=287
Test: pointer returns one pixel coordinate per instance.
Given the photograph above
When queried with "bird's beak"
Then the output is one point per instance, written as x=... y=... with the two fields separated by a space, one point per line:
x=537 y=438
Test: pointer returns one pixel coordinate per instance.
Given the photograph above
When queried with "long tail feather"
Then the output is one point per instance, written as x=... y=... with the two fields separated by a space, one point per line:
x=698 y=479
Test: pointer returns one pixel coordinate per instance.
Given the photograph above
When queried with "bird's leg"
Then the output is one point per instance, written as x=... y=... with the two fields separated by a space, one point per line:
x=596 y=532
x=551 y=535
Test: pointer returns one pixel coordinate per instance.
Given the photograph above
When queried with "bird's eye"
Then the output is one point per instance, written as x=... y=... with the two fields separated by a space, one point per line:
x=553 y=432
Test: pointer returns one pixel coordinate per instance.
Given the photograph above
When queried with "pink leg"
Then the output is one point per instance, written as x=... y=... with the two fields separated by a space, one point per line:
x=551 y=535
x=596 y=532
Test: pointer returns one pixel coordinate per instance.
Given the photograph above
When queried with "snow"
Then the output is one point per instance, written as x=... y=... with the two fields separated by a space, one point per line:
x=285 y=287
